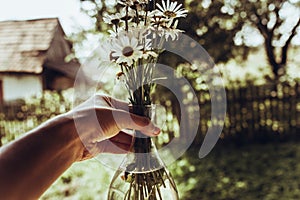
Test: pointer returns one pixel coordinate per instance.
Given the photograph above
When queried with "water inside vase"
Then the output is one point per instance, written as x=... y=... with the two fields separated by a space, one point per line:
x=142 y=174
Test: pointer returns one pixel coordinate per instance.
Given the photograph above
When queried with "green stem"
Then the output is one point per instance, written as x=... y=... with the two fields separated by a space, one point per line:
x=129 y=192
x=161 y=177
x=126 y=20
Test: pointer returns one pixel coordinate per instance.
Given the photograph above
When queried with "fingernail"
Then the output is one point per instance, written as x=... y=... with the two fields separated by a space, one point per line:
x=156 y=131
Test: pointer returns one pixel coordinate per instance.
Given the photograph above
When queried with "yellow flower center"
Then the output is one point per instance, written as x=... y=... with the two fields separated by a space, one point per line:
x=127 y=51
x=169 y=13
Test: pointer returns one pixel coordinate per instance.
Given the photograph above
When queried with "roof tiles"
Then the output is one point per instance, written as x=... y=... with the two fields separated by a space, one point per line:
x=23 y=44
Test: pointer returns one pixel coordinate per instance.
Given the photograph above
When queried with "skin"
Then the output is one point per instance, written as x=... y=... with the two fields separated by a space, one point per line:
x=30 y=164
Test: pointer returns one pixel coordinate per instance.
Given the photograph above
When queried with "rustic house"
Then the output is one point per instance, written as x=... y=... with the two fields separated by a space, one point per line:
x=32 y=58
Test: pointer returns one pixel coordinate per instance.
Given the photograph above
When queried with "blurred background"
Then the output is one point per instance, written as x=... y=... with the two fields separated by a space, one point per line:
x=255 y=47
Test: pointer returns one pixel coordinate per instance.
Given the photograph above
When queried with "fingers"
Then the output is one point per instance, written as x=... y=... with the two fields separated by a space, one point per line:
x=131 y=121
x=124 y=119
x=116 y=148
x=119 y=144
x=122 y=138
x=144 y=125
x=112 y=102
x=118 y=104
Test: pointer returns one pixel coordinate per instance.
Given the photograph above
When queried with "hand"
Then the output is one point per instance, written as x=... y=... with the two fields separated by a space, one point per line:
x=99 y=122
x=30 y=164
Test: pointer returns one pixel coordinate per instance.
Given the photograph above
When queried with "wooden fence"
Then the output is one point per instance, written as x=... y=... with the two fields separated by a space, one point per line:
x=16 y=118
x=253 y=112
x=258 y=111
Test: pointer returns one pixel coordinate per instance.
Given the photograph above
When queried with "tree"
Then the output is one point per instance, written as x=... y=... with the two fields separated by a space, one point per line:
x=220 y=25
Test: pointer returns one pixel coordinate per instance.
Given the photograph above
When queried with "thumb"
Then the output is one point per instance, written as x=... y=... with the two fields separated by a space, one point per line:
x=131 y=121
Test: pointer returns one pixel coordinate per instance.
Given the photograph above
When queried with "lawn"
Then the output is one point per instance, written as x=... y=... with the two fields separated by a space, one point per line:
x=256 y=171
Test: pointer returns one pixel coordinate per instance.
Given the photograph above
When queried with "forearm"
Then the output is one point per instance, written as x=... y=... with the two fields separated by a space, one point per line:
x=29 y=165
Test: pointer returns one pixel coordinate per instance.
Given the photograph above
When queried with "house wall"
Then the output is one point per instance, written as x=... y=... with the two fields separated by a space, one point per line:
x=54 y=80
x=57 y=73
x=17 y=86
x=59 y=48
x=62 y=83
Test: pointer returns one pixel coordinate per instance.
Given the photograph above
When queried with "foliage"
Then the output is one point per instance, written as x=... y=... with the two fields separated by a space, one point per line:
x=86 y=180
x=256 y=108
x=255 y=112
x=257 y=171
x=224 y=27
x=269 y=171
x=136 y=38
x=18 y=118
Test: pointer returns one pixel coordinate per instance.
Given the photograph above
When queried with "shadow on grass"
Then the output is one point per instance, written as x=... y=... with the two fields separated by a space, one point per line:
x=257 y=171
x=268 y=171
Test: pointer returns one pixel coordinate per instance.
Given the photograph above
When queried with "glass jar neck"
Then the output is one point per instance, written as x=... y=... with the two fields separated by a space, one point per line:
x=143 y=150
x=142 y=143
x=142 y=110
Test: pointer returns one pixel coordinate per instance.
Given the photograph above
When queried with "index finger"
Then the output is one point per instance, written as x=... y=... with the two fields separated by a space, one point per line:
x=128 y=120
x=116 y=103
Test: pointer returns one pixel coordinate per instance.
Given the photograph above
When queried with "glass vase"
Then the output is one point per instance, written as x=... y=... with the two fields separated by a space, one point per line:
x=142 y=175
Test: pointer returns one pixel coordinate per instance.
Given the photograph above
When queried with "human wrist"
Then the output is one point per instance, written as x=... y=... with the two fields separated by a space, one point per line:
x=75 y=142
x=63 y=130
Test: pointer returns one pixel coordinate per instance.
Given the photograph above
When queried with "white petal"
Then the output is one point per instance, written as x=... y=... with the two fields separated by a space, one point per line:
x=116 y=54
x=168 y=5
x=117 y=47
x=159 y=8
x=175 y=24
x=125 y=41
x=152 y=53
x=134 y=42
x=164 y=5
x=173 y=6
x=129 y=61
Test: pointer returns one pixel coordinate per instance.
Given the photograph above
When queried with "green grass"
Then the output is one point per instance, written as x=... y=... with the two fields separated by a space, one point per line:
x=257 y=171
x=260 y=171
x=85 y=180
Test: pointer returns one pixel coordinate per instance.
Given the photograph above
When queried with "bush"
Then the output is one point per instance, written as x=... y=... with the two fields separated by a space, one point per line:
x=21 y=116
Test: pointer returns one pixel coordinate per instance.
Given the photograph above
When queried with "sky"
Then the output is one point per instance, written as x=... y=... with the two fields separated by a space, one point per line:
x=68 y=12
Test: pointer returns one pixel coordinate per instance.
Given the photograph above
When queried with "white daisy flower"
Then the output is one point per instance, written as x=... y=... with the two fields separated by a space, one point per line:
x=126 y=49
x=132 y=2
x=112 y=19
x=144 y=1
x=157 y=19
x=126 y=2
x=148 y=49
x=142 y=16
x=170 y=31
x=171 y=10
x=146 y=54
x=138 y=32
x=114 y=32
x=104 y=53
x=118 y=17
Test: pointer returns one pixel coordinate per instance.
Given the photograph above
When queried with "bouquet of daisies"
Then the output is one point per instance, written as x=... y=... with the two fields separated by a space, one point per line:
x=138 y=32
